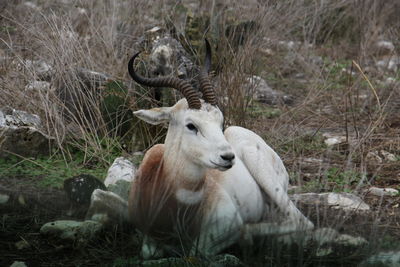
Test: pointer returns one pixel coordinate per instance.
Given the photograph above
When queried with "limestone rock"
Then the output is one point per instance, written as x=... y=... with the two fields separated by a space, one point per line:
x=106 y=206
x=343 y=201
x=4 y=198
x=20 y=134
x=39 y=68
x=18 y=264
x=388 y=156
x=121 y=188
x=373 y=158
x=332 y=140
x=121 y=169
x=383 y=48
x=168 y=55
x=380 y=192
x=72 y=230
x=38 y=86
x=389 y=63
x=264 y=93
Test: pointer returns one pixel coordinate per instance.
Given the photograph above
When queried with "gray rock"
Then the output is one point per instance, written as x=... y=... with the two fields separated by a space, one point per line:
x=380 y=192
x=18 y=264
x=343 y=201
x=324 y=236
x=383 y=48
x=15 y=118
x=39 y=68
x=388 y=156
x=121 y=169
x=332 y=140
x=383 y=259
x=72 y=230
x=107 y=206
x=4 y=198
x=20 y=134
x=390 y=63
x=264 y=93
x=373 y=158
x=121 y=188
x=168 y=55
x=350 y=241
x=38 y=86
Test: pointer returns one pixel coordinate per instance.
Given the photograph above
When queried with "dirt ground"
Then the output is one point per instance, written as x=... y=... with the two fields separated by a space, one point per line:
x=29 y=207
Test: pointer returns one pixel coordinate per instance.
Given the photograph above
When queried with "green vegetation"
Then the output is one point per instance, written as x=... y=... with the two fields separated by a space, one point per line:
x=304 y=144
x=260 y=111
x=49 y=171
x=333 y=180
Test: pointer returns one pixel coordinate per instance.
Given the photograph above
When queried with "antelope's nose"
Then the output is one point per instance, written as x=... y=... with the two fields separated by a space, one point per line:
x=228 y=156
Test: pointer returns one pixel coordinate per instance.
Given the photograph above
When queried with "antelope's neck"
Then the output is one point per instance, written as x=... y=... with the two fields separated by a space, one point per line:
x=188 y=179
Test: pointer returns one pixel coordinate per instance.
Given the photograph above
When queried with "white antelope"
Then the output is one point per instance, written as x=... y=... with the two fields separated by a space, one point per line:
x=209 y=185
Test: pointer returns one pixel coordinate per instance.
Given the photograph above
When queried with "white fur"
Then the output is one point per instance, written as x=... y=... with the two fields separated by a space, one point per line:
x=237 y=198
x=188 y=196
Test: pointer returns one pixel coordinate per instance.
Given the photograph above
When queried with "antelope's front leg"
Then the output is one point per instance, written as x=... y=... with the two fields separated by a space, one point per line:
x=221 y=226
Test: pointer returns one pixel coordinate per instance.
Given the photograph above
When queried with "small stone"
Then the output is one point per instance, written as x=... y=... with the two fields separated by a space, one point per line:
x=39 y=68
x=21 y=200
x=334 y=140
x=323 y=252
x=373 y=158
x=72 y=230
x=38 y=86
x=388 y=156
x=264 y=93
x=350 y=241
x=22 y=244
x=384 y=47
x=4 y=198
x=380 y=192
x=18 y=264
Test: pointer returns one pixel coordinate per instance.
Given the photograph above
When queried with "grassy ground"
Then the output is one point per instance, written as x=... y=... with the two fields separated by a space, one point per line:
x=329 y=69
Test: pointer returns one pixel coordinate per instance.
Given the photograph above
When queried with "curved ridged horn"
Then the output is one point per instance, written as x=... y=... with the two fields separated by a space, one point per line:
x=204 y=81
x=183 y=86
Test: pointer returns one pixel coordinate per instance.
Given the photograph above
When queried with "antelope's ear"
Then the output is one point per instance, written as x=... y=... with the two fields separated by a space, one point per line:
x=155 y=115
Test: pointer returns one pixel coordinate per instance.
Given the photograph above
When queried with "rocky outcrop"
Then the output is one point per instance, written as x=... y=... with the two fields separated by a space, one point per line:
x=20 y=134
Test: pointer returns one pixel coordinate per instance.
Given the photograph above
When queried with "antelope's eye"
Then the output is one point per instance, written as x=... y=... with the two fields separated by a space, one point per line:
x=191 y=127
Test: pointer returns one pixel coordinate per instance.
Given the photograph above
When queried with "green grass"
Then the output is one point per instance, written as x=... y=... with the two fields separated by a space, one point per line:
x=304 y=145
x=49 y=171
x=258 y=110
x=334 y=180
